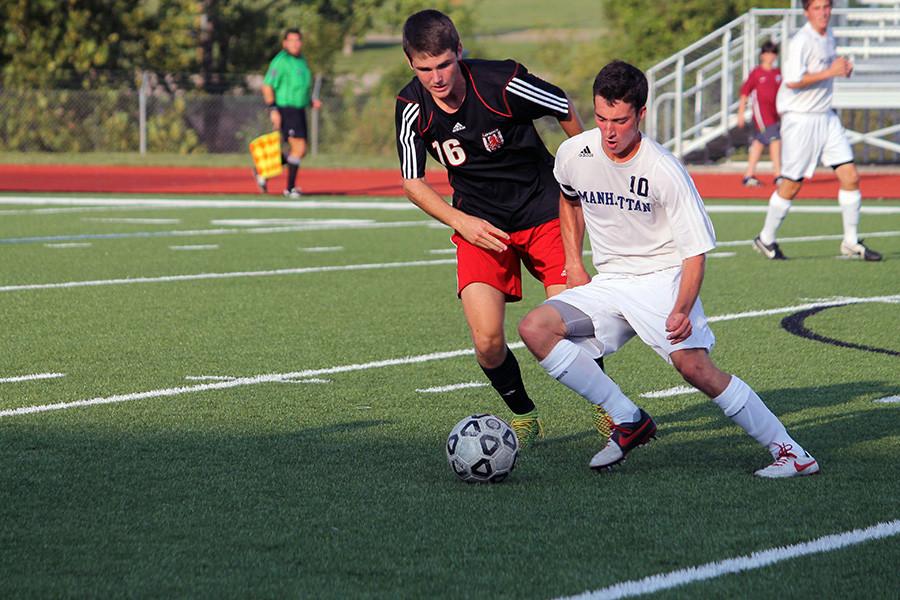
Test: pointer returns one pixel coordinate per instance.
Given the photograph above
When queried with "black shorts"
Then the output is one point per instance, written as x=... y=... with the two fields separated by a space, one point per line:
x=293 y=122
x=768 y=135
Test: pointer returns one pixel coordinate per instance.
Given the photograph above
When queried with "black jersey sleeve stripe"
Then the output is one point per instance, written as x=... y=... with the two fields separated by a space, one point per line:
x=409 y=166
x=568 y=191
x=534 y=94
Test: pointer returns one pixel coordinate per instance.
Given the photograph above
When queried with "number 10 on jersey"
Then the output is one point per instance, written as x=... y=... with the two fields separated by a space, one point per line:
x=449 y=152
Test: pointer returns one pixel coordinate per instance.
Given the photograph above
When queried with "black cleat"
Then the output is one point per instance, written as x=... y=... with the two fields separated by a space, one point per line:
x=770 y=251
x=624 y=438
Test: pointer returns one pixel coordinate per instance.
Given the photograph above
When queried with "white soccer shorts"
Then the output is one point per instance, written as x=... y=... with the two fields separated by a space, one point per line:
x=624 y=307
x=808 y=137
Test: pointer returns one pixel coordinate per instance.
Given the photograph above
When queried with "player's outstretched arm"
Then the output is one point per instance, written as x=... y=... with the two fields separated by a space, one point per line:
x=474 y=230
x=678 y=324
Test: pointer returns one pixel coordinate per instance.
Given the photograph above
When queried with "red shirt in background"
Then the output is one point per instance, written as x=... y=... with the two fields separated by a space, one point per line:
x=762 y=86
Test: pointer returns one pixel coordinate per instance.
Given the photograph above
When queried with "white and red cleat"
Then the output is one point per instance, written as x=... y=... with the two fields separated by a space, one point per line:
x=788 y=464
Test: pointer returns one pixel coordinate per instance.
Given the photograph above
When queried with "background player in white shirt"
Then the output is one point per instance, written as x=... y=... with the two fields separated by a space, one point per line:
x=811 y=131
x=649 y=234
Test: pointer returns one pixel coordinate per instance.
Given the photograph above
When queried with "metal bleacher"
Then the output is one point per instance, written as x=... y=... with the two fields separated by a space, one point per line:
x=694 y=94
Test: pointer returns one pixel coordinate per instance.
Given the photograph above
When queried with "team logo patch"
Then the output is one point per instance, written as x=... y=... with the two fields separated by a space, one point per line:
x=493 y=140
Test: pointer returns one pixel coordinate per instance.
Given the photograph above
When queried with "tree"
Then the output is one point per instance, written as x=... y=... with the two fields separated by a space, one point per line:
x=45 y=43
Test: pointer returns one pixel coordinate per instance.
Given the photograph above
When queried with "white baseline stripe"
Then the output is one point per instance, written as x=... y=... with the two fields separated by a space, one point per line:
x=810 y=238
x=201 y=203
x=453 y=387
x=756 y=560
x=312 y=226
x=239 y=381
x=359 y=267
x=31 y=377
x=673 y=391
x=788 y=309
x=229 y=275
x=363 y=366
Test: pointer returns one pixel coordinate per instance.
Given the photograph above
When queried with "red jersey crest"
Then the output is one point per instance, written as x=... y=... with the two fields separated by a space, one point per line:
x=493 y=140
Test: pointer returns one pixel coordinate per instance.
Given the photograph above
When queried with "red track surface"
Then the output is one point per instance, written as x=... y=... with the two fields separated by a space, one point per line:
x=346 y=182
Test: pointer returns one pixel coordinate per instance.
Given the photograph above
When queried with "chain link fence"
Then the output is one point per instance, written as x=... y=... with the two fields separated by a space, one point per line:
x=149 y=113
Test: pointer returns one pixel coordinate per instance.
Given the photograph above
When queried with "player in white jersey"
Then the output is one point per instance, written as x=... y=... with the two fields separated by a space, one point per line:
x=811 y=131
x=649 y=234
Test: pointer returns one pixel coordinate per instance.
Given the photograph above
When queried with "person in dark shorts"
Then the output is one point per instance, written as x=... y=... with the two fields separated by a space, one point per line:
x=760 y=89
x=287 y=90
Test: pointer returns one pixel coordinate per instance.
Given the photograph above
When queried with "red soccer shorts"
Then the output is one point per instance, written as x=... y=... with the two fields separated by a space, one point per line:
x=539 y=248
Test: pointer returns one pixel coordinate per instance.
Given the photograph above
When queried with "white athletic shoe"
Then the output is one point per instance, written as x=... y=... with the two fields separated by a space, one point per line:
x=293 y=193
x=788 y=464
x=859 y=250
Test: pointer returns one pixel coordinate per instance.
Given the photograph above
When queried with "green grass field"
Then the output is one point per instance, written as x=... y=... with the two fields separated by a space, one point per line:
x=251 y=425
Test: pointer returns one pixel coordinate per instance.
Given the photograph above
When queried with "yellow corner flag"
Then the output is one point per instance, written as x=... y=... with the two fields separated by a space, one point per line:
x=266 y=153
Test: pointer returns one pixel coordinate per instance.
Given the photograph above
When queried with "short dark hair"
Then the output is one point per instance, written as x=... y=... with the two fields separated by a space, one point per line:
x=769 y=46
x=429 y=32
x=806 y=4
x=291 y=31
x=621 y=81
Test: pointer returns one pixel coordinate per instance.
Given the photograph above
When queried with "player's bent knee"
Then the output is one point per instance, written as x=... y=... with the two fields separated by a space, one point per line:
x=694 y=366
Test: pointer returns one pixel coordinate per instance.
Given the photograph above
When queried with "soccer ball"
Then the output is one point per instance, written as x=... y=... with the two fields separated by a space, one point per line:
x=482 y=449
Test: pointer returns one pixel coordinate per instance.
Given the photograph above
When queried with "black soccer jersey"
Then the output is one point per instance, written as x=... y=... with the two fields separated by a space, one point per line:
x=497 y=163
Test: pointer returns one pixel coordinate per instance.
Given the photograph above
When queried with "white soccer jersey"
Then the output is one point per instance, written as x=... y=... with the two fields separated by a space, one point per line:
x=808 y=52
x=641 y=216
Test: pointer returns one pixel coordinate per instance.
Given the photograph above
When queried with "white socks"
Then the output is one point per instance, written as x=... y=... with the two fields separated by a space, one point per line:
x=850 y=201
x=574 y=368
x=740 y=403
x=777 y=211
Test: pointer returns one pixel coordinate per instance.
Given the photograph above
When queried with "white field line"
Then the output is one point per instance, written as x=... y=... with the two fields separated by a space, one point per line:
x=673 y=391
x=721 y=254
x=311 y=226
x=840 y=301
x=230 y=275
x=19 y=378
x=200 y=203
x=811 y=238
x=240 y=381
x=366 y=205
x=70 y=245
x=453 y=387
x=196 y=247
x=391 y=362
x=287 y=222
x=322 y=249
x=136 y=220
x=756 y=560
x=443 y=251
x=81 y=209
x=360 y=267
x=889 y=400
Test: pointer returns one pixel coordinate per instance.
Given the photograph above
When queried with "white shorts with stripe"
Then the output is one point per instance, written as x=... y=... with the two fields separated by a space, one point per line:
x=624 y=307
x=807 y=138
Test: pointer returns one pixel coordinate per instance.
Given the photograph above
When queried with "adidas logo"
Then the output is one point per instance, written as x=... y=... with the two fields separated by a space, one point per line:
x=586 y=152
x=458 y=127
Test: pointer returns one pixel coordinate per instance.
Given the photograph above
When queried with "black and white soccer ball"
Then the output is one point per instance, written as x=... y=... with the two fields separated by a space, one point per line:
x=482 y=449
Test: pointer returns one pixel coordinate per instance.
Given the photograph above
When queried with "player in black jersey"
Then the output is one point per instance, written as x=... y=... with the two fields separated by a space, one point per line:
x=476 y=117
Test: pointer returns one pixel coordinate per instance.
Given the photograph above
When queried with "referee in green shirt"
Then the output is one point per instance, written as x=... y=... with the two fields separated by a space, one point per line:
x=287 y=90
